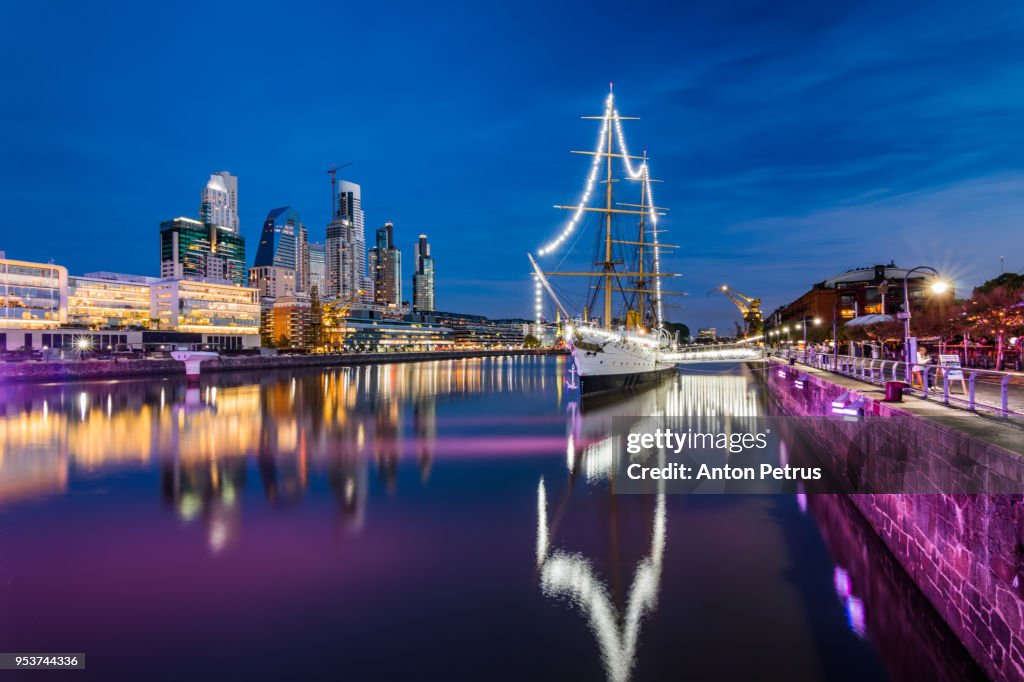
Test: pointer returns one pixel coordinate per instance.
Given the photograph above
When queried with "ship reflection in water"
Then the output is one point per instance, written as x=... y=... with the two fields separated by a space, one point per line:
x=313 y=523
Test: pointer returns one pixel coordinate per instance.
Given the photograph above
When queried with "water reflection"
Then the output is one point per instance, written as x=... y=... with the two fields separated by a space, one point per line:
x=689 y=399
x=287 y=423
x=425 y=474
x=571 y=575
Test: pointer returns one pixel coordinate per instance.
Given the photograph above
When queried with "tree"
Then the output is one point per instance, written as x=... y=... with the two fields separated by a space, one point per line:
x=678 y=327
x=997 y=309
x=531 y=341
x=283 y=341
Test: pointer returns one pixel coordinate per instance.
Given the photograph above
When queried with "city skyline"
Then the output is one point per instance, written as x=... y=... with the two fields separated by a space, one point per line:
x=774 y=170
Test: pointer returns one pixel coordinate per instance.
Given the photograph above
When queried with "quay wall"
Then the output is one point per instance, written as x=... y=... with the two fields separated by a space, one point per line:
x=965 y=552
x=103 y=369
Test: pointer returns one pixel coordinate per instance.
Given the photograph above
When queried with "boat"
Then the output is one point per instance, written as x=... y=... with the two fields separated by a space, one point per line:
x=625 y=347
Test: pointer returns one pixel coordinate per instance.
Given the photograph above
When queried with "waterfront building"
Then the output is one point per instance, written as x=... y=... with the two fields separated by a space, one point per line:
x=317 y=268
x=478 y=331
x=345 y=249
x=32 y=296
x=423 y=278
x=43 y=310
x=219 y=203
x=284 y=244
x=225 y=315
x=386 y=268
x=707 y=334
x=290 y=322
x=107 y=300
x=192 y=249
x=859 y=292
x=380 y=335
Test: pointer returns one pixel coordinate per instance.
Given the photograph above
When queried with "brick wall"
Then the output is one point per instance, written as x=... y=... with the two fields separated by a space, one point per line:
x=965 y=552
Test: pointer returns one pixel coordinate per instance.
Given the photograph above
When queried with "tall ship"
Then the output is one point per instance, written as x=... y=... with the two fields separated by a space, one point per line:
x=615 y=331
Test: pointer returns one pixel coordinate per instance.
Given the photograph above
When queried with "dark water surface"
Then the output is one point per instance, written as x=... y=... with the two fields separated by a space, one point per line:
x=442 y=520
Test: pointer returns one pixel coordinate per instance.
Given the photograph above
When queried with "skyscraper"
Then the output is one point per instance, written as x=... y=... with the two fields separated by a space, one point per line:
x=345 y=250
x=284 y=244
x=219 y=205
x=191 y=249
x=317 y=268
x=386 y=268
x=423 y=278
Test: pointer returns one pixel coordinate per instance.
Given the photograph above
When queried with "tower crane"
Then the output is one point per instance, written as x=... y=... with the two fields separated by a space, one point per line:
x=749 y=307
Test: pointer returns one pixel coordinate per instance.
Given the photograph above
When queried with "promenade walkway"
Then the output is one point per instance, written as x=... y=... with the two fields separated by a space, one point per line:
x=1007 y=433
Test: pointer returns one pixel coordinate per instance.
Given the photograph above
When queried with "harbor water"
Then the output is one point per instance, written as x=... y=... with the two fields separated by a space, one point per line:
x=448 y=519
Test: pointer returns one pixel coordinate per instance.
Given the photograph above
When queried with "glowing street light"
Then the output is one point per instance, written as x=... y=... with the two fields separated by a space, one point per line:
x=938 y=286
x=816 y=321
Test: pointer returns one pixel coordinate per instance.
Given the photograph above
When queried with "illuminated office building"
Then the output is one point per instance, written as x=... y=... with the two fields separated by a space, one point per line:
x=219 y=205
x=284 y=244
x=345 y=250
x=317 y=268
x=223 y=314
x=423 y=278
x=386 y=268
x=192 y=249
x=103 y=300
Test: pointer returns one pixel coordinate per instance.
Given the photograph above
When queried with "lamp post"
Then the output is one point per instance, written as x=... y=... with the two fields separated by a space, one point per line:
x=835 y=333
x=938 y=287
x=816 y=322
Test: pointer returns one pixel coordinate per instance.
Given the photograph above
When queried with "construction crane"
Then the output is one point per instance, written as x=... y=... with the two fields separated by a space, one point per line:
x=335 y=310
x=333 y=172
x=749 y=307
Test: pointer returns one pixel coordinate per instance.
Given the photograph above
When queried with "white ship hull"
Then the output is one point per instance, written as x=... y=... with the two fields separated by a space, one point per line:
x=608 y=362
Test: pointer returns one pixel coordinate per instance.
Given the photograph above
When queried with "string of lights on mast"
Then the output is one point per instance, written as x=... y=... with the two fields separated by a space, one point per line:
x=641 y=171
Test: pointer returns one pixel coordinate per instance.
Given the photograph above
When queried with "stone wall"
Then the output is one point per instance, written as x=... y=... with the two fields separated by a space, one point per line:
x=964 y=552
x=102 y=369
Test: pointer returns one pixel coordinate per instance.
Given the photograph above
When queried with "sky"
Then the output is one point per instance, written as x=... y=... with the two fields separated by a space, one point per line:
x=794 y=140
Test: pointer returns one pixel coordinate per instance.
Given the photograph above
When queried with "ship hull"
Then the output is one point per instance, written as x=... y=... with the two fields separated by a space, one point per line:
x=603 y=384
x=610 y=364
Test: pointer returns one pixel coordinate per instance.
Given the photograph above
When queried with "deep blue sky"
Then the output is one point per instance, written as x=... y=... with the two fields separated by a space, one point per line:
x=796 y=140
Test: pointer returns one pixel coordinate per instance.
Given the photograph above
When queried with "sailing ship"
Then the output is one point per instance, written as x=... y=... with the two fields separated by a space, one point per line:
x=626 y=345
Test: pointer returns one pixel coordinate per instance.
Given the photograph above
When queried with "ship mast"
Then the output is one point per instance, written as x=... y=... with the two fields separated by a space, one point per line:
x=609 y=265
x=607 y=273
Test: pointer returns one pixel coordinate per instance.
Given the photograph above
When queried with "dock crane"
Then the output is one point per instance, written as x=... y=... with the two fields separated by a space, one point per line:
x=749 y=307
x=337 y=309
x=332 y=314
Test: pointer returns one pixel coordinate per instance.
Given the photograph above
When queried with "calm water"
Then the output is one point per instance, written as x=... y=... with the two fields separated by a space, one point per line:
x=433 y=520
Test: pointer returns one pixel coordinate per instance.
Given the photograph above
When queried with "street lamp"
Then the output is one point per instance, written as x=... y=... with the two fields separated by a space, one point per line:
x=938 y=286
x=816 y=320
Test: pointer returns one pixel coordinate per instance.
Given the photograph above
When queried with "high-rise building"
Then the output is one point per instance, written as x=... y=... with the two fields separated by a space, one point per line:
x=219 y=204
x=386 y=268
x=317 y=268
x=423 y=278
x=272 y=281
x=345 y=250
x=284 y=244
x=195 y=250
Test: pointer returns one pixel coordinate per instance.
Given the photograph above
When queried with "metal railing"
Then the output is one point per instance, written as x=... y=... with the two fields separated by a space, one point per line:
x=1001 y=393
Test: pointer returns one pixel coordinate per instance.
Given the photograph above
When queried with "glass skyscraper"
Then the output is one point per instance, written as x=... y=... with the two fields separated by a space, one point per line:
x=423 y=278
x=386 y=268
x=192 y=249
x=284 y=244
